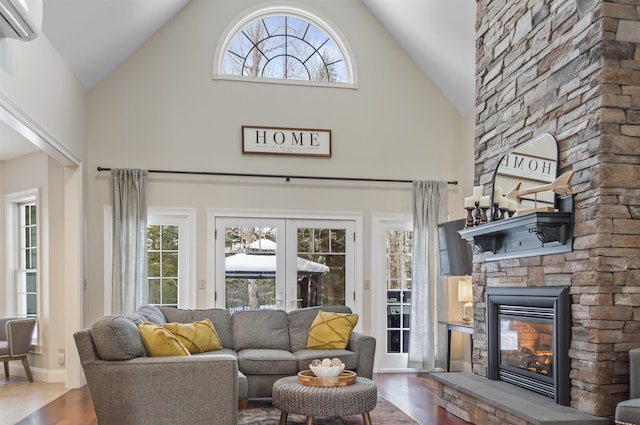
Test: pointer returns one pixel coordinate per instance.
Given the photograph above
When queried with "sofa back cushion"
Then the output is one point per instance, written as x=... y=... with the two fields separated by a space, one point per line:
x=260 y=329
x=152 y=313
x=220 y=318
x=118 y=337
x=300 y=321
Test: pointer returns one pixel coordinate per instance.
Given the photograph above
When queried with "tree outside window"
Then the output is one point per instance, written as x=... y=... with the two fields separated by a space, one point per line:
x=162 y=251
x=285 y=47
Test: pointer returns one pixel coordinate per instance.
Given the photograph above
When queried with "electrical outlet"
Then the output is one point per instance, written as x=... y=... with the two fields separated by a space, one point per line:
x=202 y=284
x=366 y=284
x=61 y=356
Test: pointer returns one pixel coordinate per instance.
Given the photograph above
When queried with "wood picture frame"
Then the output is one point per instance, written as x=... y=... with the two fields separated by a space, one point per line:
x=262 y=140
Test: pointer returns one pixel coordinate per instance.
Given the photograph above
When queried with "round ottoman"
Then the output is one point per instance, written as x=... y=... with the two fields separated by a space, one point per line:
x=357 y=399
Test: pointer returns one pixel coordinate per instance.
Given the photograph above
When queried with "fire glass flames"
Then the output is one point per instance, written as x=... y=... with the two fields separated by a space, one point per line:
x=527 y=345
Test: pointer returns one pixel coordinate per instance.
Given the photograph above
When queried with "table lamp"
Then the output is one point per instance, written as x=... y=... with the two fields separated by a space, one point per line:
x=465 y=294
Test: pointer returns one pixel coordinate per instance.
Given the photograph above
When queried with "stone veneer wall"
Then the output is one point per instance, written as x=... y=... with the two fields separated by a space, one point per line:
x=570 y=68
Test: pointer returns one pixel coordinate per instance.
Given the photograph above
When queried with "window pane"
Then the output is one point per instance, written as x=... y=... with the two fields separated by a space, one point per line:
x=170 y=264
x=31 y=285
x=321 y=240
x=153 y=238
x=32 y=214
x=406 y=269
x=154 y=264
x=32 y=236
x=154 y=291
x=169 y=291
x=170 y=238
x=393 y=266
x=393 y=341
x=337 y=241
x=407 y=242
x=304 y=240
x=32 y=305
x=393 y=241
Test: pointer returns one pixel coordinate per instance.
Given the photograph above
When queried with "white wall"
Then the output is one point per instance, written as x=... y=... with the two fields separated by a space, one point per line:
x=161 y=110
x=37 y=171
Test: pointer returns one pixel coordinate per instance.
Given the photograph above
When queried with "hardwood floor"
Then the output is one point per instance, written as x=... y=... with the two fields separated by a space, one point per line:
x=410 y=392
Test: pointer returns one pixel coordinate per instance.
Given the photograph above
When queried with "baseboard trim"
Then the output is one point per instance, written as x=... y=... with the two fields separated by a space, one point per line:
x=39 y=374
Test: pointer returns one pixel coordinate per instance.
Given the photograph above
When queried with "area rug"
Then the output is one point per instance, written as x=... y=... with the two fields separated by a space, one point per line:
x=384 y=413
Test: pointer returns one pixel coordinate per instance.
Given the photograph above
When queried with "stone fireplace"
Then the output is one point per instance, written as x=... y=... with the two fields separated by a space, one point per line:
x=528 y=332
x=570 y=68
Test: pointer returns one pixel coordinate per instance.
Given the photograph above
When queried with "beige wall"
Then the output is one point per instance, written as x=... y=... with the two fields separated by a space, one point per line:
x=162 y=110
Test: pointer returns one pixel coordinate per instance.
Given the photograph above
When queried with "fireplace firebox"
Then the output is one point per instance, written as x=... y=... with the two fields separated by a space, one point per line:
x=528 y=335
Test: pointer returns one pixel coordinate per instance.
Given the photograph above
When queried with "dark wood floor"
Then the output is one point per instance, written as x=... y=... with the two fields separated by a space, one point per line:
x=408 y=391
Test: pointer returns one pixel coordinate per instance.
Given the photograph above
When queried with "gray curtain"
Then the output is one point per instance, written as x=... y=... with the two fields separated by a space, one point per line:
x=129 y=240
x=429 y=300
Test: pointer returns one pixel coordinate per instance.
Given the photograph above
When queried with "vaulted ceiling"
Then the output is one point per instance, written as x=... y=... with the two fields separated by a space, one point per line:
x=95 y=36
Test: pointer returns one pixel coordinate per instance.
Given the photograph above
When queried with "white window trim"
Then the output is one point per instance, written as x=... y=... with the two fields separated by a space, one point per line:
x=11 y=201
x=185 y=219
x=354 y=302
x=288 y=9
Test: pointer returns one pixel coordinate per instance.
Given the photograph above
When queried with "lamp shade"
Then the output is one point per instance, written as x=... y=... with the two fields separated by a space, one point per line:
x=465 y=291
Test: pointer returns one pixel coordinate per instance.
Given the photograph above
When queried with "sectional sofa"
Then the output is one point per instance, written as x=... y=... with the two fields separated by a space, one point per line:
x=258 y=347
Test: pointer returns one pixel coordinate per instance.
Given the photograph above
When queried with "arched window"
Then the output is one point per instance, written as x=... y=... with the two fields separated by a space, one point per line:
x=284 y=44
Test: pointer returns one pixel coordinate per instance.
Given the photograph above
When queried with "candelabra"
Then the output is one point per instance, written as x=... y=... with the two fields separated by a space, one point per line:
x=470 y=219
x=483 y=215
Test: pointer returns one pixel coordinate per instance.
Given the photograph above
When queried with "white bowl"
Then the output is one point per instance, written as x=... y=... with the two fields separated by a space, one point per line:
x=327 y=372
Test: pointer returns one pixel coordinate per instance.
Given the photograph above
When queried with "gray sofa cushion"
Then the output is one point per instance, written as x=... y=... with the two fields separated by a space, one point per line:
x=260 y=329
x=220 y=317
x=118 y=337
x=300 y=321
x=267 y=362
x=152 y=314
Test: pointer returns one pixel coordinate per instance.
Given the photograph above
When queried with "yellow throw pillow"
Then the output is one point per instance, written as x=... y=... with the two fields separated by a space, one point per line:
x=161 y=342
x=331 y=330
x=197 y=337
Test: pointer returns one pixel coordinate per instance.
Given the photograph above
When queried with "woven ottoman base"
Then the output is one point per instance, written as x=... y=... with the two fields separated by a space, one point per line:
x=291 y=397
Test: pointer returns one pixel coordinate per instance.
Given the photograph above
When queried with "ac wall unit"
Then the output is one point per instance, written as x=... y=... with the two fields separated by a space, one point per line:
x=21 y=19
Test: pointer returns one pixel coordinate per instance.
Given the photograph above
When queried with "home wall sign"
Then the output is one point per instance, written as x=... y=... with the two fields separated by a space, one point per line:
x=286 y=141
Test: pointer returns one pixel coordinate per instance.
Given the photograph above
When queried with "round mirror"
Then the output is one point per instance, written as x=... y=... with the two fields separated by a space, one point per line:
x=531 y=164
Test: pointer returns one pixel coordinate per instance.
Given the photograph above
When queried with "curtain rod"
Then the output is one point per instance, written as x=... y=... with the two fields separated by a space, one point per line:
x=278 y=176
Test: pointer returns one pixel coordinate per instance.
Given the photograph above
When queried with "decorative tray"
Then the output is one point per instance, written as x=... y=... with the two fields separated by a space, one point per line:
x=346 y=377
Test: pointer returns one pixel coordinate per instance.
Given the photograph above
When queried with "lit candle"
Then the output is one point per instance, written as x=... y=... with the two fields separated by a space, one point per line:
x=485 y=201
x=477 y=192
x=497 y=194
x=469 y=202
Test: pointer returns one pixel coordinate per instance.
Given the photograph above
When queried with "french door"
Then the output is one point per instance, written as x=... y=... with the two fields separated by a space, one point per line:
x=392 y=252
x=283 y=263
